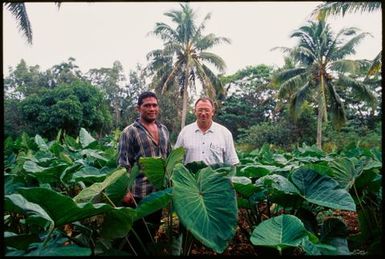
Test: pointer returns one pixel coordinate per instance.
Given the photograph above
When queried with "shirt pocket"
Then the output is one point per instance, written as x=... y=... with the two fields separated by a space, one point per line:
x=217 y=153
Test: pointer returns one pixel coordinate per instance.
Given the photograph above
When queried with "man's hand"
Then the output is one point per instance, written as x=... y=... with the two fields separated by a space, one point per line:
x=128 y=198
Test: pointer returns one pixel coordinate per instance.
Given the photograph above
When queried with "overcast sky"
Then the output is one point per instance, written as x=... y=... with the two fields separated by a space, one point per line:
x=97 y=34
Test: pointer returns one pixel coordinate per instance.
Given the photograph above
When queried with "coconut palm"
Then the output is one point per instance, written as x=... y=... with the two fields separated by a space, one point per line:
x=19 y=10
x=184 y=58
x=341 y=8
x=320 y=69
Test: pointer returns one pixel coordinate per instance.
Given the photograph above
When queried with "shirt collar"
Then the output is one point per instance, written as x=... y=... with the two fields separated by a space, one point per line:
x=139 y=124
x=211 y=129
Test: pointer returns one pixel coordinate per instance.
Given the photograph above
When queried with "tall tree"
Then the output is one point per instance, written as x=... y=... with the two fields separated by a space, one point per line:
x=65 y=73
x=320 y=57
x=68 y=107
x=184 y=55
x=26 y=80
x=252 y=100
x=137 y=83
x=341 y=8
x=23 y=81
x=110 y=81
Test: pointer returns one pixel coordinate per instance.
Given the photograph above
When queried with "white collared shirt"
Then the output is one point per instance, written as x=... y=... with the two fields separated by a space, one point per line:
x=215 y=146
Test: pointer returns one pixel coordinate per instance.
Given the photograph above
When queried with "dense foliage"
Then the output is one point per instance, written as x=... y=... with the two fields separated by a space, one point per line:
x=84 y=214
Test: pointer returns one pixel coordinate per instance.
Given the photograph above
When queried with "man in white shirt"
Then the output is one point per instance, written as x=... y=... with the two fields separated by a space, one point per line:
x=206 y=140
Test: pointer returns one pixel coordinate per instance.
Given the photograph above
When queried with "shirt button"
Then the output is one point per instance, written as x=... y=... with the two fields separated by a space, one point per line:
x=203 y=143
x=203 y=152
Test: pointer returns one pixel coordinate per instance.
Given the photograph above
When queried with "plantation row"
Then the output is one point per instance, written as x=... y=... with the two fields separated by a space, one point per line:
x=63 y=197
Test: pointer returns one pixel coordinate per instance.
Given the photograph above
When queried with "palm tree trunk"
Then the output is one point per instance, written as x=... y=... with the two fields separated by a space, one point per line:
x=185 y=97
x=321 y=112
x=319 y=126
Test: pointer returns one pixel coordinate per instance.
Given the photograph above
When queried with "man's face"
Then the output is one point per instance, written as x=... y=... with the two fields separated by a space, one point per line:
x=149 y=109
x=204 y=112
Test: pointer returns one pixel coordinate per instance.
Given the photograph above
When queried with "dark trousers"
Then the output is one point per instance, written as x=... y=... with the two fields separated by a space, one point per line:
x=152 y=222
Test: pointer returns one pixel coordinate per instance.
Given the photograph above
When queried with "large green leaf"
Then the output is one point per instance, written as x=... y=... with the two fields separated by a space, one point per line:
x=117 y=223
x=57 y=245
x=41 y=143
x=35 y=213
x=176 y=156
x=206 y=205
x=279 y=232
x=154 y=169
x=68 y=250
x=12 y=182
x=370 y=181
x=134 y=172
x=62 y=209
x=243 y=185
x=276 y=182
x=118 y=189
x=45 y=174
x=153 y=202
x=21 y=241
x=322 y=190
x=32 y=167
x=88 y=174
x=256 y=171
x=346 y=170
x=93 y=153
x=85 y=138
x=90 y=192
x=334 y=232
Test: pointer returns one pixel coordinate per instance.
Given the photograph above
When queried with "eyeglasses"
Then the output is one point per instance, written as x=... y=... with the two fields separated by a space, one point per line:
x=203 y=111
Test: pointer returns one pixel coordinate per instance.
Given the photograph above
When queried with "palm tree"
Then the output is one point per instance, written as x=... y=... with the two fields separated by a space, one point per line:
x=321 y=68
x=19 y=10
x=184 y=56
x=341 y=8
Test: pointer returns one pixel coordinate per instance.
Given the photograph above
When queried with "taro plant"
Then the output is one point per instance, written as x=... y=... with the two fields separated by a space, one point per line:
x=361 y=176
x=44 y=212
x=196 y=198
x=295 y=184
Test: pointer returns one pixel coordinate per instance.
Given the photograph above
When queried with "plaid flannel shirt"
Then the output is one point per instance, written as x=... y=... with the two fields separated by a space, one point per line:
x=135 y=142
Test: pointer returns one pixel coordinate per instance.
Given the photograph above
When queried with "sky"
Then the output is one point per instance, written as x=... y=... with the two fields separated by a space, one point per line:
x=97 y=34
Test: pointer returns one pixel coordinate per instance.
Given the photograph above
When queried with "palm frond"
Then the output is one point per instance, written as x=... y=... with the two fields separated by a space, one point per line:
x=284 y=75
x=171 y=76
x=201 y=27
x=218 y=90
x=209 y=41
x=341 y=8
x=283 y=49
x=20 y=12
x=165 y=32
x=359 y=88
x=349 y=47
x=337 y=111
x=297 y=100
x=214 y=59
x=290 y=86
x=305 y=55
x=349 y=66
x=376 y=65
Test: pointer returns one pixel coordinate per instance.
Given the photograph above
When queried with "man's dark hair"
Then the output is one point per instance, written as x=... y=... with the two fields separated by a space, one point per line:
x=145 y=95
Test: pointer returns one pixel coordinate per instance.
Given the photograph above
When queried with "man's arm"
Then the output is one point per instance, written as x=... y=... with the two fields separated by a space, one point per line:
x=124 y=161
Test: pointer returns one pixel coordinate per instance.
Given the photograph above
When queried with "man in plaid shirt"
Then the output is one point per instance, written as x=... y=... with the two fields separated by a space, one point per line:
x=146 y=137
